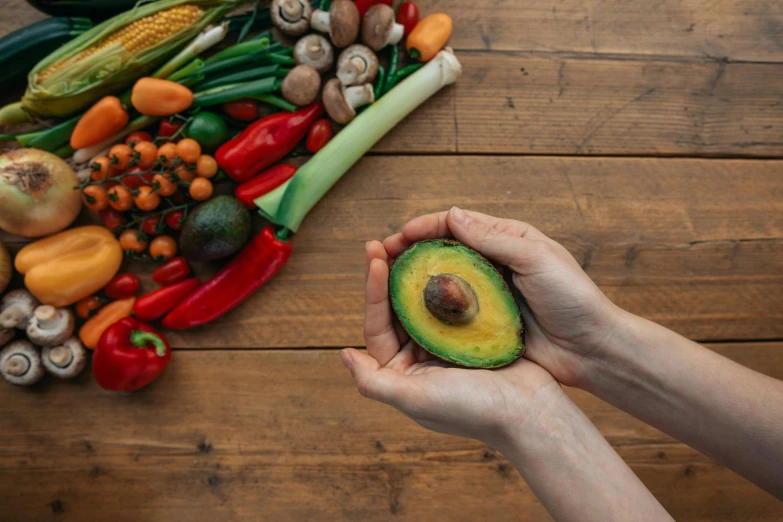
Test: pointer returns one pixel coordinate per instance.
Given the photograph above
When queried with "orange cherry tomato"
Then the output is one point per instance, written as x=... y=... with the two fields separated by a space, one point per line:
x=163 y=185
x=206 y=166
x=120 y=155
x=163 y=248
x=95 y=198
x=167 y=151
x=100 y=168
x=147 y=199
x=183 y=173
x=86 y=306
x=189 y=150
x=201 y=189
x=120 y=198
x=144 y=154
x=131 y=240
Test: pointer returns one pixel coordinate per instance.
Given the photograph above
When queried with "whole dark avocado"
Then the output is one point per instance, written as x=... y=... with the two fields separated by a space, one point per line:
x=216 y=229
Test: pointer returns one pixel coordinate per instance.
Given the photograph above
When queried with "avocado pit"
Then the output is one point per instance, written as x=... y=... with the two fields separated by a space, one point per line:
x=451 y=299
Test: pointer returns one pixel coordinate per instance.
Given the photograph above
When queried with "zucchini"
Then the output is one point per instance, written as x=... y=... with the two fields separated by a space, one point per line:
x=93 y=9
x=21 y=50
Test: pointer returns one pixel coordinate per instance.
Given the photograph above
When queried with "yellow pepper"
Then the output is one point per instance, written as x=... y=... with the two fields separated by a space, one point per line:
x=429 y=36
x=71 y=265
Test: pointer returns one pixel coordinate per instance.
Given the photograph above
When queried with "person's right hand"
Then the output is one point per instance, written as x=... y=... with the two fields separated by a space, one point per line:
x=567 y=317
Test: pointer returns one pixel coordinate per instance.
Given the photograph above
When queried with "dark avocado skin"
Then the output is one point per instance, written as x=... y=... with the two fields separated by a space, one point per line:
x=216 y=229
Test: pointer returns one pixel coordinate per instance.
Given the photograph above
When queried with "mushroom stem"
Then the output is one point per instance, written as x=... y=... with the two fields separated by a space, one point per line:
x=359 y=95
x=291 y=10
x=397 y=32
x=351 y=70
x=17 y=365
x=12 y=316
x=60 y=356
x=319 y=21
x=46 y=316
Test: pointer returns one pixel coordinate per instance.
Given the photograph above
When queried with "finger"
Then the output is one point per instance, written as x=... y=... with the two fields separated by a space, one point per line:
x=509 y=226
x=395 y=245
x=379 y=334
x=380 y=384
x=373 y=250
x=426 y=227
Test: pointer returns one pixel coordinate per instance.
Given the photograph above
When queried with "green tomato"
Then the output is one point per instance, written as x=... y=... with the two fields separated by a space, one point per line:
x=209 y=130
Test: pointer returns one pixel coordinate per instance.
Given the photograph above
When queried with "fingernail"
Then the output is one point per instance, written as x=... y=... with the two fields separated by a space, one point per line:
x=459 y=215
x=367 y=246
x=345 y=357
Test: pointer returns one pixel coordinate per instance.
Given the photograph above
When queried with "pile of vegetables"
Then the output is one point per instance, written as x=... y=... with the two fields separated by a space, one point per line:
x=165 y=144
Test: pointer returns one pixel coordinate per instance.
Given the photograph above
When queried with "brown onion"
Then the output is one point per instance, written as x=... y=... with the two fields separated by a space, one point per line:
x=37 y=195
x=6 y=268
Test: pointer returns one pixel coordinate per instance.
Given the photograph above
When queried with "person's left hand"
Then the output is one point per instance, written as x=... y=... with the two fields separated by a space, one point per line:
x=487 y=405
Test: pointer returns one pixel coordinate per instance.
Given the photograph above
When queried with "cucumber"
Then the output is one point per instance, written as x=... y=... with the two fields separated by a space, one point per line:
x=21 y=50
x=93 y=9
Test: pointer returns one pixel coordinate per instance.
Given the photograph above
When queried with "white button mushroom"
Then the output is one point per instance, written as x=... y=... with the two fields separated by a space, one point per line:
x=67 y=360
x=341 y=22
x=6 y=334
x=50 y=326
x=316 y=51
x=16 y=308
x=340 y=101
x=357 y=64
x=20 y=363
x=292 y=17
x=379 y=28
x=301 y=85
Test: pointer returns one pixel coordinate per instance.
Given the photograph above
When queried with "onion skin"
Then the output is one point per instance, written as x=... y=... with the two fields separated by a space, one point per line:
x=6 y=268
x=37 y=195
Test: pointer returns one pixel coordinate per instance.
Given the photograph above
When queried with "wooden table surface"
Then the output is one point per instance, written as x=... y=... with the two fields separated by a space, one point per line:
x=645 y=136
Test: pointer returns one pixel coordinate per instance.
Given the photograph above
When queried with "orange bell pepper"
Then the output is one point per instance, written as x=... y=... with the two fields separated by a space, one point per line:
x=71 y=265
x=99 y=123
x=429 y=36
x=91 y=331
x=155 y=97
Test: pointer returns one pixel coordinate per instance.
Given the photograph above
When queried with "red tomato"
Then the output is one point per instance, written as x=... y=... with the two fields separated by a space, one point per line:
x=174 y=270
x=168 y=128
x=137 y=137
x=242 y=110
x=319 y=135
x=174 y=220
x=112 y=219
x=150 y=226
x=122 y=286
x=134 y=182
x=408 y=16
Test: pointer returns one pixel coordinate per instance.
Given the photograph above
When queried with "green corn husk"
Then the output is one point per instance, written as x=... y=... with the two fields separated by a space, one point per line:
x=76 y=84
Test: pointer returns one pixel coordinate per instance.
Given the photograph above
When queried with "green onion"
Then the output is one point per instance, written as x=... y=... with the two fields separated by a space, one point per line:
x=265 y=71
x=249 y=47
x=288 y=205
x=276 y=101
x=228 y=93
x=206 y=39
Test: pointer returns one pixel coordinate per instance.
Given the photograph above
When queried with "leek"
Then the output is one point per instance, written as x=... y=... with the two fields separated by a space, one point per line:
x=288 y=205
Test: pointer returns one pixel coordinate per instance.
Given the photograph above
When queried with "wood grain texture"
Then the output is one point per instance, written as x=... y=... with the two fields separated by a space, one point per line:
x=283 y=436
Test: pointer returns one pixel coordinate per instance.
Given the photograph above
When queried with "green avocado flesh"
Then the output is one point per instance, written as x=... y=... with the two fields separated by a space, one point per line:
x=453 y=302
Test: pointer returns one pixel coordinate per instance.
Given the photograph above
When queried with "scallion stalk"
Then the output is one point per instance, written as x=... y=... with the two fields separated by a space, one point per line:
x=288 y=205
x=249 y=47
x=265 y=71
x=206 y=39
x=228 y=93
x=276 y=101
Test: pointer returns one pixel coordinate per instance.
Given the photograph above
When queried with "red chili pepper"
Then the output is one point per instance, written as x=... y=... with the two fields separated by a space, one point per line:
x=172 y=271
x=168 y=128
x=242 y=110
x=408 y=16
x=265 y=182
x=137 y=137
x=130 y=355
x=112 y=219
x=256 y=264
x=150 y=226
x=265 y=142
x=160 y=302
x=364 y=5
x=122 y=286
x=175 y=219
x=319 y=135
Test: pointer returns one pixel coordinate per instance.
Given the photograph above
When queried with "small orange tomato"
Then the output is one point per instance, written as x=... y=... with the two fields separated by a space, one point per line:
x=167 y=151
x=120 y=155
x=86 y=306
x=95 y=197
x=183 y=173
x=189 y=150
x=131 y=240
x=206 y=166
x=163 y=248
x=201 y=189
x=120 y=198
x=145 y=153
x=163 y=185
x=147 y=199
x=100 y=168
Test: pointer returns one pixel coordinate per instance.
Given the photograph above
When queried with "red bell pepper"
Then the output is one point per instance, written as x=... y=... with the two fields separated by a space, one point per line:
x=122 y=286
x=265 y=182
x=261 y=259
x=129 y=356
x=172 y=271
x=364 y=5
x=266 y=141
x=158 y=303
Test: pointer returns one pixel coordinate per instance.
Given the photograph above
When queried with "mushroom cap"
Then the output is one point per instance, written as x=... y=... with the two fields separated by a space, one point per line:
x=16 y=308
x=346 y=67
x=20 y=363
x=282 y=14
x=50 y=326
x=334 y=102
x=316 y=51
x=344 y=23
x=377 y=26
x=301 y=85
x=67 y=360
x=6 y=334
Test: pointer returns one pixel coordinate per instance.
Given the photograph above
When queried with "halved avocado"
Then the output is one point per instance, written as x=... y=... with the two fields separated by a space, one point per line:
x=453 y=302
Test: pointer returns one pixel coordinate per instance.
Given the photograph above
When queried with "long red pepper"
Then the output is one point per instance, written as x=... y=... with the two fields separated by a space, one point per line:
x=266 y=141
x=265 y=182
x=158 y=303
x=261 y=259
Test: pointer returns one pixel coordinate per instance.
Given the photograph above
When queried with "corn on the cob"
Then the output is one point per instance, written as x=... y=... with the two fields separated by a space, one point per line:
x=111 y=56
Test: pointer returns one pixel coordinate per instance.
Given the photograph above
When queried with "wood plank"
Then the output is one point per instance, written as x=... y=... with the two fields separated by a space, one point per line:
x=255 y=435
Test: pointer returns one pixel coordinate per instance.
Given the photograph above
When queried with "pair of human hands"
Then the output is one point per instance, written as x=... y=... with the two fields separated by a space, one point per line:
x=567 y=319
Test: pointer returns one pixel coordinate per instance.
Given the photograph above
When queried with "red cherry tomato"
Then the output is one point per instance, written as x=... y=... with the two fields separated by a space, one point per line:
x=150 y=226
x=174 y=270
x=137 y=137
x=242 y=110
x=319 y=135
x=168 y=128
x=122 y=286
x=112 y=219
x=133 y=182
x=175 y=220
x=408 y=16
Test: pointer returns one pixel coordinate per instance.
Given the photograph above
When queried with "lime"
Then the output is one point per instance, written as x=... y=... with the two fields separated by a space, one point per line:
x=209 y=130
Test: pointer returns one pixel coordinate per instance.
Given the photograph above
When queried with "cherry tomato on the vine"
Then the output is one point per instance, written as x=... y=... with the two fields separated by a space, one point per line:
x=85 y=307
x=100 y=168
x=175 y=219
x=122 y=286
x=319 y=135
x=242 y=110
x=150 y=226
x=137 y=137
x=168 y=128
x=112 y=219
x=163 y=248
x=408 y=16
x=95 y=197
x=147 y=199
x=131 y=242
x=120 y=198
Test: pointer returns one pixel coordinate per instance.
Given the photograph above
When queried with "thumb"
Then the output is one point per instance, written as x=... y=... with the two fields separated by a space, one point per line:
x=374 y=382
